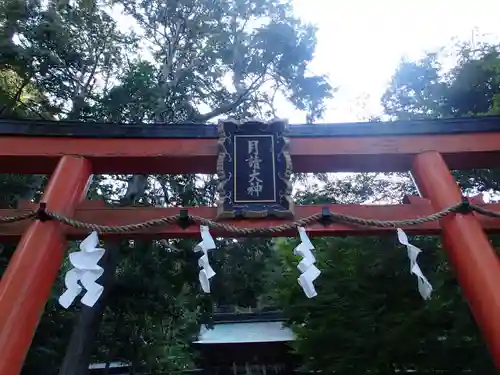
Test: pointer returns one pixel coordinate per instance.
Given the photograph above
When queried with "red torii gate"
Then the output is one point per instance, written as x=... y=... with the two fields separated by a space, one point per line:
x=72 y=152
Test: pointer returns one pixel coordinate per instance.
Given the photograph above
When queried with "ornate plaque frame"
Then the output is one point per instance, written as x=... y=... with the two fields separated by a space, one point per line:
x=237 y=140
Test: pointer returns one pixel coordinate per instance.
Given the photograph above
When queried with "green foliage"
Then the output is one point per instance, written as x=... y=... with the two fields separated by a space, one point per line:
x=135 y=99
x=153 y=312
x=18 y=98
x=62 y=50
x=368 y=315
x=226 y=56
x=186 y=61
x=240 y=265
x=424 y=89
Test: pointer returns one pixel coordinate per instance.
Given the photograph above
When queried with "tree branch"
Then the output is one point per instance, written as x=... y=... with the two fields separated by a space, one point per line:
x=230 y=106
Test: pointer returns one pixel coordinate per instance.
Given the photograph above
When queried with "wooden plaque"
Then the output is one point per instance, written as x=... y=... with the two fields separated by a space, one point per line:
x=254 y=169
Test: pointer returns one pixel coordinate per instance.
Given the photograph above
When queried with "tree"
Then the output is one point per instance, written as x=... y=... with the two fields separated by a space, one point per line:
x=62 y=49
x=205 y=59
x=423 y=89
x=228 y=58
x=368 y=315
x=368 y=304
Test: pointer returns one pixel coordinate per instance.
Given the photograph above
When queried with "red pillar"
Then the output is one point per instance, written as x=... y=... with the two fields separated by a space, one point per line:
x=28 y=280
x=475 y=262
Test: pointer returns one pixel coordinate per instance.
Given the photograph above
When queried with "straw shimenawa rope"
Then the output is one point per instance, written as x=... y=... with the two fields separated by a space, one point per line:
x=462 y=207
x=485 y=211
x=13 y=219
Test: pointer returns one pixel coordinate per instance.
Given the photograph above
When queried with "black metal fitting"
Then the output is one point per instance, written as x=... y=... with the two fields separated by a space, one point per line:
x=184 y=219
x=41 y=213
x=238 y=214
x=465 y=207
x=326 y=216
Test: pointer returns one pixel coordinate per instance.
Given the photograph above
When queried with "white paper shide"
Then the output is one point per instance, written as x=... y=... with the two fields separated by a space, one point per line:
x=424 y=287
x=84 y=273
x=206 y=272
x=309 y=271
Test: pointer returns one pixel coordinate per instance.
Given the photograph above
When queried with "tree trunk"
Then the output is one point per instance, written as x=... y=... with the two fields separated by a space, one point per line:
x=77 y=358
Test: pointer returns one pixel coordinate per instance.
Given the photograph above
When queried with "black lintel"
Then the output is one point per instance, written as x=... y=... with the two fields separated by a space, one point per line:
x=42 y=128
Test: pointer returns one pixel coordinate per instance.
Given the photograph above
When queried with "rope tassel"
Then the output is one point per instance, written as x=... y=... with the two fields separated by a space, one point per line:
x=309 y=271
x=85 y=273
x=206 y=272
x=424 y=287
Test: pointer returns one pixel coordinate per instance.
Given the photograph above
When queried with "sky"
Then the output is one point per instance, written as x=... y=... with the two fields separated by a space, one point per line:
x=360 y=43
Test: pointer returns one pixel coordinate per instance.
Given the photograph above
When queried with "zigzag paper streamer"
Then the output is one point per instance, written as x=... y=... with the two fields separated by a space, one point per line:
x=309 y=271
x=206 y=272
x=424 y=287
x=85 y=273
